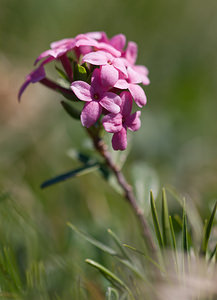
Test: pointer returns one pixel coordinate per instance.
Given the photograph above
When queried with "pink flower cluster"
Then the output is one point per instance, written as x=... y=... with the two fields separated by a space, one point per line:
x=110 y=89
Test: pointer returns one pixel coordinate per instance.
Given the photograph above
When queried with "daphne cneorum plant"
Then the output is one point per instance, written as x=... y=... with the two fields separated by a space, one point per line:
x=101 y=74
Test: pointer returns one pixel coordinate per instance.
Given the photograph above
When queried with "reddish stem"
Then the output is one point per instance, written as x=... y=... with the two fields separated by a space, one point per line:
x=101 y=147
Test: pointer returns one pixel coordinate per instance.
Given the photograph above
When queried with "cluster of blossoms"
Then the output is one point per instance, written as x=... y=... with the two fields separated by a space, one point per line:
x=110 y=88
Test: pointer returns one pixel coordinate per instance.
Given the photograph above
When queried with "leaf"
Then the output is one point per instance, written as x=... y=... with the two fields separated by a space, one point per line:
x=62 y=74
x=207 y=231
x=213 y=253
x=172 y=233
x=80 y=73
x=74 y=173
x=110 y=276
x=73 y=112
x=107 y=250
x=146 y=256
x=184 y=230
x=165 y=220
x=144 y=179
x=119 y=244
x=93 y=241
x=173 y=238
x=156 y=221
x=110 y=292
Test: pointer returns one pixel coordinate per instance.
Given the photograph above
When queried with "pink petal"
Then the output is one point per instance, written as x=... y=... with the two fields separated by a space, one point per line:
x=62 y=42
x=112 y=122
x=96 y=86
x=143 y=72
x=109 y=48
x=121 y=84
x=33 y=77
x=96 y=35
x=81 y=90
x=119 y=140
x=138 y=94
x=127 y=103
x=90 y=113
x=118 y=41
x=133 y=76
x=95 y=58
x=111 y=102
x=109 y=76
x=86 y=42
x=131 y=52
x=43 y=55
x=133 y=121
x=118 y=63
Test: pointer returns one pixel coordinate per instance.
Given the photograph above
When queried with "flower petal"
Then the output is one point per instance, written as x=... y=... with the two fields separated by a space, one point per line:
x=143 y=72
x=121 y=84
x=138 y=94
x=35 y=76
x=118 y=41
x=95 y=58
x=90 y=113
x=133 y=121
x=112 y=122
x=109 y=76
x=131 y=52
x=133 y=76
x=81 y=90
x=119 y=140
x=126 y=104
x=109 y=48
x=118 y=63
x=111 y=102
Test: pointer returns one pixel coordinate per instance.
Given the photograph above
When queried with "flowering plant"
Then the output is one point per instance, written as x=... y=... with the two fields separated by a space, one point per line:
x=103 y=74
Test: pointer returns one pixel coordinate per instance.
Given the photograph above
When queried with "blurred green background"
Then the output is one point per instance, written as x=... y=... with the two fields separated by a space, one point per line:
x=176 y=145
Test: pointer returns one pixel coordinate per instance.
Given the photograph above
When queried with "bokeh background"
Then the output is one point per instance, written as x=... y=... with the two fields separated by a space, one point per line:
x=176 y=146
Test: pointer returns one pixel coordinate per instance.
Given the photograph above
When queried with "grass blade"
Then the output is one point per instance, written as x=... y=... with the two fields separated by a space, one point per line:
x=184 y=231
x=165 y=220
x=110 y=292
x=207 y=231
x=119 y=244
x=110 y=276
x=156 y=221
x=93 y=241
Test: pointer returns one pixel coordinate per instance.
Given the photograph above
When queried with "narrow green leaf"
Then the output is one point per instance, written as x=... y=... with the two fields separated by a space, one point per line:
x=74 y=173
x=73 y=112
x=62 y=74
x=156 y=221
x=213 y=253
x=173 y=238
x=110 y=276
x=208 y=231
x=172 y=233
x=184 y=231
x=119 y=244
x=146 y=256
x=112 y=294
x=93 y=241
x=165 y=220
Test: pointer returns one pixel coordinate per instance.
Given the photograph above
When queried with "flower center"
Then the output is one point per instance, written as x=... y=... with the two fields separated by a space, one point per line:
x=96 y=96
x=109 y=62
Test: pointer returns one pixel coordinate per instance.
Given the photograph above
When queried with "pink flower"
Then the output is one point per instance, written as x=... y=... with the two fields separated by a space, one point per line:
x=35 y=76
x=118 y=41
x=131 y=83
x=96 y=97
x=111 y=66
x=118 y=123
